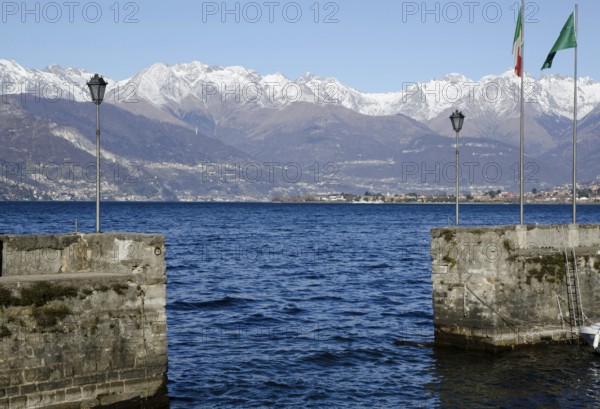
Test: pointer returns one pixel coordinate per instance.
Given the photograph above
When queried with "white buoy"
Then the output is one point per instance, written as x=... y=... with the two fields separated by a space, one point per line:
x=596 y=340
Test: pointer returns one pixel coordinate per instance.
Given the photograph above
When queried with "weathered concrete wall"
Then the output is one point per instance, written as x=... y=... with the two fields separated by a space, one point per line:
x=82 y=321
x=504 y=286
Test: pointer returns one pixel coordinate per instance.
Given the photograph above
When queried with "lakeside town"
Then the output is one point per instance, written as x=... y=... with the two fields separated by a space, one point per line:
x=587 y=193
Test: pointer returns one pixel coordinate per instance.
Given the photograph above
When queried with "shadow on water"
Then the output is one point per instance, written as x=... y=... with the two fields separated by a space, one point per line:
x=560 y=376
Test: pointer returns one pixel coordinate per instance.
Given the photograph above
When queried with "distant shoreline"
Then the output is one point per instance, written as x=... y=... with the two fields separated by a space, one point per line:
x=292 y=202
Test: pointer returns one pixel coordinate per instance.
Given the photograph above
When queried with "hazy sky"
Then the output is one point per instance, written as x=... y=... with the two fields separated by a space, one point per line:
x=374 y=46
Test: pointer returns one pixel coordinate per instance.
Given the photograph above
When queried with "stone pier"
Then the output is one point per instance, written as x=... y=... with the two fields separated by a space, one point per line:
x=82 y=321
x=499 y=287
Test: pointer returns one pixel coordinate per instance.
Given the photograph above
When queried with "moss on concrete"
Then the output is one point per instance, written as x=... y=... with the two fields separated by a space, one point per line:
x=448 y=235
x=42 y=293
x=35 y=242
x=450 y=261
x=36 y=295
x=5 y=297
x=49 y=315
x=4 y=331
x=91 y=326
x=550 y=268
x=119 y=288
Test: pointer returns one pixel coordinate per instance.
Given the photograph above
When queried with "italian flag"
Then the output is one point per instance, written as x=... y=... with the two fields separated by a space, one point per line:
x=518 y=45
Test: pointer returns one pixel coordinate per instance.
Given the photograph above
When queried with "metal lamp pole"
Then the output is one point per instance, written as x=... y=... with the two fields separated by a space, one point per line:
x=97 y=168
x=457 y=119
x=97 y=87
x=457 y=173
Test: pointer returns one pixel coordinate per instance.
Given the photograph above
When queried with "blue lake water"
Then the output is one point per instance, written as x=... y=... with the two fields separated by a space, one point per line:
x=294 y=305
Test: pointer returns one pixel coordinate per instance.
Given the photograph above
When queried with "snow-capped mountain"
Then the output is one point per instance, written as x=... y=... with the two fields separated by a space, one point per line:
x=197 y=85
x=163 y=84
x=173 y=119
x=51 y=83
x=205 y=96
x=492 y=107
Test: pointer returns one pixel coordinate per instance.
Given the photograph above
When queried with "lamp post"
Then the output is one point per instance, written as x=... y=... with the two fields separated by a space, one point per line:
x=97 y=87
x=457 y=119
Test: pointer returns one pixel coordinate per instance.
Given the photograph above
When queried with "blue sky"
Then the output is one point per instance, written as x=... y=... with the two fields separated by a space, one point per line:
x=372 y=46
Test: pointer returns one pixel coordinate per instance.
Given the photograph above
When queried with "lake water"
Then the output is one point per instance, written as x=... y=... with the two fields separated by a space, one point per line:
x=285 y=305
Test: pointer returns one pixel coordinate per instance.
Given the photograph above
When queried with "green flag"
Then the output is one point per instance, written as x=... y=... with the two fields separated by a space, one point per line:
x=566 y=39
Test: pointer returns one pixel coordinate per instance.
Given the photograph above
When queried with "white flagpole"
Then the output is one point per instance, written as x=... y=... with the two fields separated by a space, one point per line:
x=522 y=130
x=575 y=123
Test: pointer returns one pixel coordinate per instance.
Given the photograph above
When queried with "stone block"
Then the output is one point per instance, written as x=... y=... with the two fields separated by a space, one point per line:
x=17 y=402
x=154 y=371
x=15 y=376
x=73 y=394
x=48 y=398
x=136 y=386
x=128 y=374
x=502 y=286
x=88 y=391
x=28 y=389
x=55 y=385
x=89 y=379
x=103 y=389
x=151 y=360
x=11 y=391
x=36 y=401
x=116 y=386
x=89 y=357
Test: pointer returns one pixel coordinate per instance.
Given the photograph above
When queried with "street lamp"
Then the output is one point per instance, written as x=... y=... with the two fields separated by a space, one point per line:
x=457 y=119
x=97 y=87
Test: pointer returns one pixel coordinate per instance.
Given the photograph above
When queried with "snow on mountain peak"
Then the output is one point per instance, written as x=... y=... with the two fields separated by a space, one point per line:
x=51 y=83
x=200 y=84
x=456 y=77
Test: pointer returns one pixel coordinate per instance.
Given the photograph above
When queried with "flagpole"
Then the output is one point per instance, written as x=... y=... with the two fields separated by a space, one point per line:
x=522 y=121
x=575 y=124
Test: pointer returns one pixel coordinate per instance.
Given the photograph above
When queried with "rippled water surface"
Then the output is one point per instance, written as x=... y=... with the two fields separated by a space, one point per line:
x=273 y=305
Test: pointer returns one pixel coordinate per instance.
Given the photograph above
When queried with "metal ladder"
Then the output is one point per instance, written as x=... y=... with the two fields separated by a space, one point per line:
x=573 y=295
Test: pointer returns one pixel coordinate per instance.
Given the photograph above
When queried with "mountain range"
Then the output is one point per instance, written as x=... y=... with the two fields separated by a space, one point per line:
x=199 y=132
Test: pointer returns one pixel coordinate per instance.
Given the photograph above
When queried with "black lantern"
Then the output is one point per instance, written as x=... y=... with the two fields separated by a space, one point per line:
x=97 y=88
x=457 y=119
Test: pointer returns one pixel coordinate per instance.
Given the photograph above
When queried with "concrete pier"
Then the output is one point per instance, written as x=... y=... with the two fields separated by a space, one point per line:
x=82 y=321
x=498 y=287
